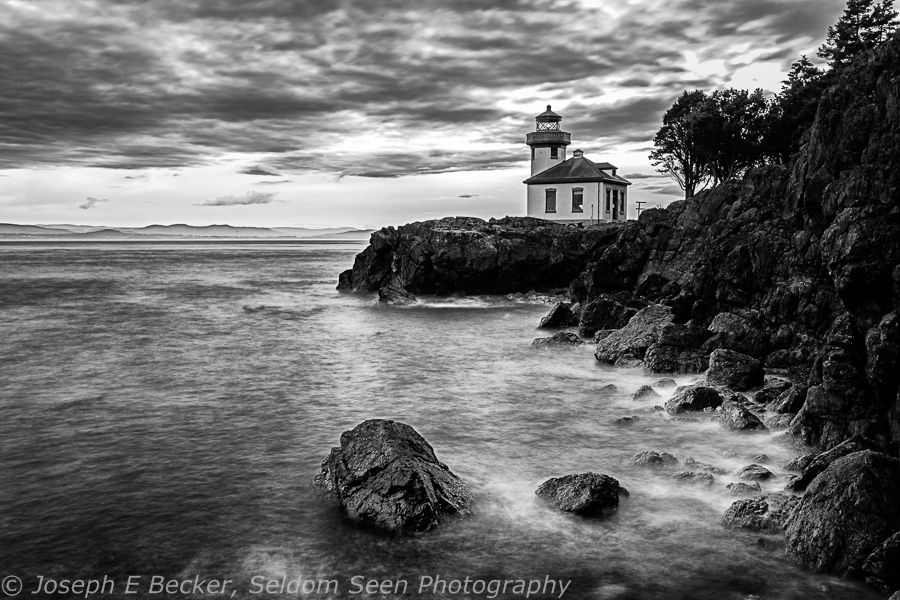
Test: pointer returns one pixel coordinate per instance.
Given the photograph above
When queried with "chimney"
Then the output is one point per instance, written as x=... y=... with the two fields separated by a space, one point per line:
x=577 y=154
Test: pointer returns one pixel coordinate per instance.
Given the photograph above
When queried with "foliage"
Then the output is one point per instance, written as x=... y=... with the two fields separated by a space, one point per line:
x=677 y=152
x=794 y=109
x=863 y=26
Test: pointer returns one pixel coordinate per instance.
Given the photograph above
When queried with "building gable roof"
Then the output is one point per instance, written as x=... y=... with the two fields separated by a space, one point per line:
x=577 y=170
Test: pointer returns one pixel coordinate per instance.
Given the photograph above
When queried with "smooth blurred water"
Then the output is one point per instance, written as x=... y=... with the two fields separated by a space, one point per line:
x=165 y=407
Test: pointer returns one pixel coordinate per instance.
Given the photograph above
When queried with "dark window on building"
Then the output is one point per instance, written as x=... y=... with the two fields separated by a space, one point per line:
x=608 y=206
x=551 y=201
x=578 y=200
x=622 y=203
x=554 y=152
x=532 y=154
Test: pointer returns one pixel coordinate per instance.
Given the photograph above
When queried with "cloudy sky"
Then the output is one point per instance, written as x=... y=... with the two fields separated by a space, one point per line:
x=351 y=112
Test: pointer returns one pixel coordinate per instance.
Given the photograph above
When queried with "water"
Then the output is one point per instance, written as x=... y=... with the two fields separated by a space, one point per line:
x=165 y=407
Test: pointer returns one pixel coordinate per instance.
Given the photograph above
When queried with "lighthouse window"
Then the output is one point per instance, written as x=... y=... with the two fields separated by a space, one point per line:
x=622 y=202
x=608 y=206
x=554 y=152
x=577 y=200
x=551 y=201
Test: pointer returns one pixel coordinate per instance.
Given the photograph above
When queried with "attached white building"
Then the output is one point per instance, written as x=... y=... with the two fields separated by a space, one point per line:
x=574 y=190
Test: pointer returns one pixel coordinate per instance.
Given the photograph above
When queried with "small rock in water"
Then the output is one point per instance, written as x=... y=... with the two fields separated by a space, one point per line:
x=765 y=513
x=393 y=294
x=693 y=398
x=385 y=474
x=627 y=421
x=743 y=489
x=559 y=316
x=760 y=459
x=651 y=458
x=691 y=478
x=665 y=383
x=685 y=420
x=563 y=338
x=609 y=388
x=643 y=392
x=695 y=464
x=737 y=418
x=755 y=473
x=588 y=494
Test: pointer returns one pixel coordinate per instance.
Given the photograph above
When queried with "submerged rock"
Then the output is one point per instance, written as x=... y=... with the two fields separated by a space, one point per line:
x=734 y=370
x=386 y=475
x=766 y=514
x=627 y=421
x=643 y=392
x=695 y=464
x=847 y=512
x=588 y=494
x=666 y=383
x=693 y=398
x=562 y=338
x=651 y=458
x=692 y=478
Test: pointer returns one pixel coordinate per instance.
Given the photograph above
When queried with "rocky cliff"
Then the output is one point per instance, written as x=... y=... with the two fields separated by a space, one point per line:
x=804 y=258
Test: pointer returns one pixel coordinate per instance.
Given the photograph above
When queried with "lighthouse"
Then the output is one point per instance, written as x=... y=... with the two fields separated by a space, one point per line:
x=570 y=190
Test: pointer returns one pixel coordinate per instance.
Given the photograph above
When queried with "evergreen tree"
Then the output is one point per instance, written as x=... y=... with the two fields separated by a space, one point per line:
x=863 y=25
x=794 y=109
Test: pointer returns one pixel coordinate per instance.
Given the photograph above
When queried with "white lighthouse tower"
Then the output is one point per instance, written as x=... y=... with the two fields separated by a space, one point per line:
x=548 y=143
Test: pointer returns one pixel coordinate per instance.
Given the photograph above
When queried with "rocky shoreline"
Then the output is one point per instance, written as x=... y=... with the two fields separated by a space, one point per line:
x=793 y=270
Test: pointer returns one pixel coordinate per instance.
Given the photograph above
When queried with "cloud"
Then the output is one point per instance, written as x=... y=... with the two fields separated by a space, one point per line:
x=91 y=202
x=280 y=181
x=636 y=176
x=467 y=196
x=260 y=170
x=251 y=197
x=382 y=88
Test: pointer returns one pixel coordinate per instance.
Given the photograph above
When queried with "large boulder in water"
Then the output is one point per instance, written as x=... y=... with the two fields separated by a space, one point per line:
x=734 y=370
x=882 y=567
x=821 y=461
x=559 y=317
x=766 y=514
x=693 y=398
x=737 y=417
x=847 y=512
x=588 y=494
x=632 y=341
x=563 y=338
x=385 y=474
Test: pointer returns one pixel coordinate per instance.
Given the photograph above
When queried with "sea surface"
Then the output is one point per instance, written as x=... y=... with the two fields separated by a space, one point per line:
x=164 y=408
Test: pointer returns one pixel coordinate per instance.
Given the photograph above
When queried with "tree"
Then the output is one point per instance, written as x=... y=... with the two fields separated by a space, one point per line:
x=677 y=153
x=863 y=25
x=732 y=125
x=794 y=109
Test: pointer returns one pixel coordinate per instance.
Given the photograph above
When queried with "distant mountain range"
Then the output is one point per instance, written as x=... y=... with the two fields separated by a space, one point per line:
x=76 y=232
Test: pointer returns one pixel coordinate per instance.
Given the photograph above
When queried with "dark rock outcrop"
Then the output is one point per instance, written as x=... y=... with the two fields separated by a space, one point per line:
x=847 y=512
x=771 y=390
x=882 y=567
x=766 y=514
x=693 y=398
x=734 y=370
x=588 y=494
x=608 y=311
x=386 y=475
x=820 y=462
x=639 y=334
x=563 y=338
